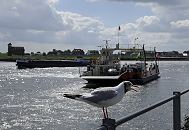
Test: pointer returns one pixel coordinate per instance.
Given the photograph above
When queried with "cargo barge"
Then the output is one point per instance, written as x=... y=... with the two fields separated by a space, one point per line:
x=23 y=64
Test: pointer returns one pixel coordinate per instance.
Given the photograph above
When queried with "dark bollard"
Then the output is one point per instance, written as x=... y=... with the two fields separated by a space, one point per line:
x=109 y=123
x=176 y=112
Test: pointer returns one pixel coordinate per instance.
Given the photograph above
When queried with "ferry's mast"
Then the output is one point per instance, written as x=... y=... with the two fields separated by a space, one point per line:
x=106 y=41
x=155 y=56
x=118 y=34
x=144 y=57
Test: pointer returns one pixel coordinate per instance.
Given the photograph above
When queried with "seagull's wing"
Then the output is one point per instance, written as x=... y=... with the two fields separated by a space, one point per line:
x=100 y=95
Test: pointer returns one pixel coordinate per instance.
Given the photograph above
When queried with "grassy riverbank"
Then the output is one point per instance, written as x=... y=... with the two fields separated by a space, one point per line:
x=5 y=57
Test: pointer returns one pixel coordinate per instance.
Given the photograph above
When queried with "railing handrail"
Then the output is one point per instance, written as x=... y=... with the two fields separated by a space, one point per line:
x=184 y=92
x=136 y=114
x=176 y=95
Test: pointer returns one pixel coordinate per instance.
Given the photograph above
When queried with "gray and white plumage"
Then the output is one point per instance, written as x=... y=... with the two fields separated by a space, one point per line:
x=104 y=97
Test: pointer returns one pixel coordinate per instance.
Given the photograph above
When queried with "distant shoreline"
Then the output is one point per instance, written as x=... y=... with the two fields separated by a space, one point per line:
x=173 y=59
x=148 y=59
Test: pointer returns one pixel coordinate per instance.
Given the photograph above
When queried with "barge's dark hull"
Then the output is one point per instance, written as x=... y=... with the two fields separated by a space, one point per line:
x=21 y=64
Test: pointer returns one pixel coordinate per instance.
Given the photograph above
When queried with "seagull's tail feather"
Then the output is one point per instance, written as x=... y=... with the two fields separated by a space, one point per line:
x=72 y=96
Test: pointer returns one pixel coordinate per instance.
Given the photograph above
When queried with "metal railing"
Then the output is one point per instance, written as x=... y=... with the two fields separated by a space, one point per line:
x=111 y=124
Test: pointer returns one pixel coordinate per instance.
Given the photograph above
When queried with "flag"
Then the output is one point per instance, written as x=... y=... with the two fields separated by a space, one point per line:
x=119 y=28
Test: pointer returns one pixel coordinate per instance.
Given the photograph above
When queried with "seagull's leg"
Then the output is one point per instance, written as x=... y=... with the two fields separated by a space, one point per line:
x=104 y=113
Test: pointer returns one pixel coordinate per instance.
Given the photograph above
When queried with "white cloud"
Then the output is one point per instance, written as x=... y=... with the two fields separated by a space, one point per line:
x=180 y=24
x=26 y=14
x=171 y=18
x=52 y=2
x=80 y=23
x=161 y=2
x=147 y=20
x=38 y=23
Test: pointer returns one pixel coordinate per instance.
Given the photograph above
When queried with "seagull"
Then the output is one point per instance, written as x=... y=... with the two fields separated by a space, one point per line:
x=104 y=97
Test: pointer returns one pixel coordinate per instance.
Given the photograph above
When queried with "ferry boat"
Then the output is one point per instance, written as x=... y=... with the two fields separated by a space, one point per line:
x=107 y=69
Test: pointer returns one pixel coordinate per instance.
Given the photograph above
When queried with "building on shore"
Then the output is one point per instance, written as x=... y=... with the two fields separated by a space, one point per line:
x=78 y=52
x=93 y=52
x=170 y=54
x=12 y=50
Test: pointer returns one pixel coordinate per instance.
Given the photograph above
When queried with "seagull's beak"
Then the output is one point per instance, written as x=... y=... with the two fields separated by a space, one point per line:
x=136 y=86
x=133 y=88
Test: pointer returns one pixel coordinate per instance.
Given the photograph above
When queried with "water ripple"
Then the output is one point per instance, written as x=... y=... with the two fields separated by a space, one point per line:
x=33 y=99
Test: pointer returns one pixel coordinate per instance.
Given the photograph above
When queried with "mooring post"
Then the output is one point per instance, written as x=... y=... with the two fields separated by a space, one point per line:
x=176 y=112
x=109 y=123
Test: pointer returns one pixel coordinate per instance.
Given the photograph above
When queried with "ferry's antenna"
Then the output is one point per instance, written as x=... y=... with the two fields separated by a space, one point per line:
x=118 y=34
x=106 y=43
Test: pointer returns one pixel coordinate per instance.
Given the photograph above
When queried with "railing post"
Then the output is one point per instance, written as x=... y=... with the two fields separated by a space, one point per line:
x=109 y=123
x=176 y=112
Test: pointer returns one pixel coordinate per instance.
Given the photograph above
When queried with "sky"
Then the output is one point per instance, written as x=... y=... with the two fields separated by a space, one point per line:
x=44 y=25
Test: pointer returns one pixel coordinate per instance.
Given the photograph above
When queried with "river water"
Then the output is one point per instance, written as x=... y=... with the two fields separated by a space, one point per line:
x=31 y=99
